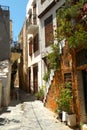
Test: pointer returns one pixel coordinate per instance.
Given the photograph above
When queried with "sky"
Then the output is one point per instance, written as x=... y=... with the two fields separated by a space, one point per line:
x=17 y=14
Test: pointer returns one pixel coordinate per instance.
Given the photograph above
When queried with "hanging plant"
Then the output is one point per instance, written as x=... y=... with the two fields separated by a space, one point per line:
x=46 y=76
x=71 y=24
x=65 y=97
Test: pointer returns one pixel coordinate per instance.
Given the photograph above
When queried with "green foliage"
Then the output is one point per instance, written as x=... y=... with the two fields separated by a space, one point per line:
x=71 y=26
x=65 y=97
x=78 y=38
x=40 y=94
x=46 y=76
x=54 y=57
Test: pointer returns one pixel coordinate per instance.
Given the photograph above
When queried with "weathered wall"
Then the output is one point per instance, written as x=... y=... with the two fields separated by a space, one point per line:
x=4 y=35
x=54 y=91
x=69 y=65
x=5 y=77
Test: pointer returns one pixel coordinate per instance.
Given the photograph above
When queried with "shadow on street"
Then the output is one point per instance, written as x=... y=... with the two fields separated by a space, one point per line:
x=21 y=96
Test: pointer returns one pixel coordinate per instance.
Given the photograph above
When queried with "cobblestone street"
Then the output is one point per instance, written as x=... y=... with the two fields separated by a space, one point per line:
x=29 y=114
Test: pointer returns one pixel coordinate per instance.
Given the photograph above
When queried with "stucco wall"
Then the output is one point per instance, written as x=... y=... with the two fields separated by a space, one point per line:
x=5 y=77
x=4 y=35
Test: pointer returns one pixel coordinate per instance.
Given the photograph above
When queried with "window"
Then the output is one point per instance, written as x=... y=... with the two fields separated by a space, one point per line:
x=35 y=43
x=30 y=47
x=48 y=23
x=82 y=57
x=67 y=77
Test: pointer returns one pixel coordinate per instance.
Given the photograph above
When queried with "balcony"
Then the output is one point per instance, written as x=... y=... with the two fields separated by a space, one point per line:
x=31 y=25
x=32 y=29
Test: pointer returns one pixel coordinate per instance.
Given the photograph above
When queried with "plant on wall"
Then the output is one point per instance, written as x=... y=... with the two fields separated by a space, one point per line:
x=53 y=59
x=46 y=76
x=72 y=23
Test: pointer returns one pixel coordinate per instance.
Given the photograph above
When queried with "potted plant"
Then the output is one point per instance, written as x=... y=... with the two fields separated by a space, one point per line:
x=71 y=119
x=64 y=102
x=71 y=116
x=59 y=114
x=40 y=94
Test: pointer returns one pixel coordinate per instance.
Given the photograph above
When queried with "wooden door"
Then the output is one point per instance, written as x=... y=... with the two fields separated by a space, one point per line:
x=35 y=78
x=29 y=87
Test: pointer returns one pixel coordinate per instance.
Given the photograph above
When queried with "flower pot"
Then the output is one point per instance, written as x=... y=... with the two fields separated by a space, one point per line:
x=71 y=120
x=60 y=115
x=64 y=116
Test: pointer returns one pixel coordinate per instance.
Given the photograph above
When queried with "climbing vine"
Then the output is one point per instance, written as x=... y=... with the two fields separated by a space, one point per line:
x=72 y=23
x=53 y=60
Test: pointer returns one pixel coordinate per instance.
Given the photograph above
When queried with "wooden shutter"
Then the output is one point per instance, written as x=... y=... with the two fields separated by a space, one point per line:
x=48 y=31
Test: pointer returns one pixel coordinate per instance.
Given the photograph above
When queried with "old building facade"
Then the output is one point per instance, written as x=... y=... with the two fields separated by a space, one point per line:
x=39 y=24
x=40 y=30
x=22 y=41
x=34 y=59
x=5 y=32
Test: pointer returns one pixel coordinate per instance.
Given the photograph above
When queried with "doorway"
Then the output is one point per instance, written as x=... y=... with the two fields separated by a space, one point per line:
x=35 y=78
x=29 y=87
x=84 y=75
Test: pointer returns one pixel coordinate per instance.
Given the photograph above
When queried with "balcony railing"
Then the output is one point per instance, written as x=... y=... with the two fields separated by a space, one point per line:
x=32 y=20
x=31 y=24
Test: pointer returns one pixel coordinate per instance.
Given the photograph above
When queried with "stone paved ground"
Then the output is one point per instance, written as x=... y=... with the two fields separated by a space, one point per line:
x=29 y=114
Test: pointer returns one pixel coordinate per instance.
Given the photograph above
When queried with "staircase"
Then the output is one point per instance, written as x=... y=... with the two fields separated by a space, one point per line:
x=48 y=84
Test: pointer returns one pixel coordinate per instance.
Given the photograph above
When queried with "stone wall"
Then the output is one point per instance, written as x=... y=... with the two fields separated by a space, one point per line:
x=54 y=91
x=5 y=77
x=4 y=34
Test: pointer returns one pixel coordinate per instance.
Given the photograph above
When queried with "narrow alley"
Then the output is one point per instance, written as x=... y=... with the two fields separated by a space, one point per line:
x=27 y=113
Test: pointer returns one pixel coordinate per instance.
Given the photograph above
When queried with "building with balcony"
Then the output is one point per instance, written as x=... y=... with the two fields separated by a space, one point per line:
x=73 y=63
x=34 y=59
x=40 y=26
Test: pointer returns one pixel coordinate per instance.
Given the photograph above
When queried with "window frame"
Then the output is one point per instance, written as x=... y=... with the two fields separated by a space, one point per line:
x=48 y=23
